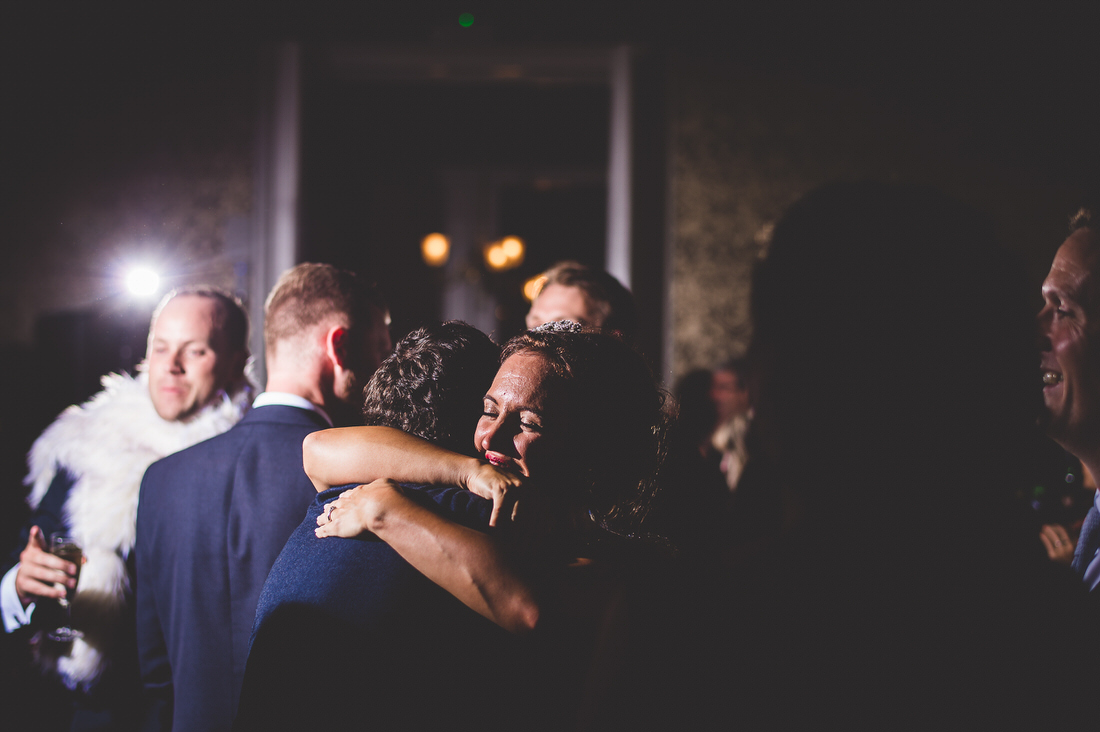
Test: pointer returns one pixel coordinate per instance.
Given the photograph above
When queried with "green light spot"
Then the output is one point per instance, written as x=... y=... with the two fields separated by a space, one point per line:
x=466 y=20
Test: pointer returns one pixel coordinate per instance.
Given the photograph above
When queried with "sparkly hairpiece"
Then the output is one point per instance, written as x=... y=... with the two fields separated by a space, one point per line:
x=559 y=326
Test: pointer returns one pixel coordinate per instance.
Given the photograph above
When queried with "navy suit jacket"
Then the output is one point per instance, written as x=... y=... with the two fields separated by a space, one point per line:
x=211 y=521
x=352 y=615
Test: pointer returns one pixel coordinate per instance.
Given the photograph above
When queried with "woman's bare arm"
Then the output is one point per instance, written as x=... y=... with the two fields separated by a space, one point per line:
x=364 y=454
x=467 y=563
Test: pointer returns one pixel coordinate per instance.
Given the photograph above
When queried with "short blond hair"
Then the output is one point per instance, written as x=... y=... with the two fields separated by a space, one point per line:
x=309 y=293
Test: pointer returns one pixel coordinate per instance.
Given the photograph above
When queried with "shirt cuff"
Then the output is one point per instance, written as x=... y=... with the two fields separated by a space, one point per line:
x=15 y=615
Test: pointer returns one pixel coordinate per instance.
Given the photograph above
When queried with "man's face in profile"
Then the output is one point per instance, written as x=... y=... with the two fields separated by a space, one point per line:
x=561 y=302
x=369 y=347
x=1069 y=327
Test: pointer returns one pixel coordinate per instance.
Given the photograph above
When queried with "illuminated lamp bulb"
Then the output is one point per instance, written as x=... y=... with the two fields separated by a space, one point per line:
x=142 y=281
x=435 y=249
x=495 y=257
x=513 y=249
x=533 y=286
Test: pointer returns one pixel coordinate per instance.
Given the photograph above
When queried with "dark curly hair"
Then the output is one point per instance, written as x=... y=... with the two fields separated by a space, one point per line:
x=616 y=414
x=433 y=383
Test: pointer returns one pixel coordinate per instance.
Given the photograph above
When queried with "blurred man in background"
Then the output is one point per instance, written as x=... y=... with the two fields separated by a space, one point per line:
x=85 y=473
x=585 y=295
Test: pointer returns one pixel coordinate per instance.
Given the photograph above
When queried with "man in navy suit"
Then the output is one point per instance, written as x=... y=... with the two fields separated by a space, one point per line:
x=213 y=518
x=347 y=625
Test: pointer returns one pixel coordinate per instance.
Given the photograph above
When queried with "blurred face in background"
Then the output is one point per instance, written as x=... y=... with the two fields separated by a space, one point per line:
x=729 y=395
x=561 y=302
x=1069 y=328
x=189 y=361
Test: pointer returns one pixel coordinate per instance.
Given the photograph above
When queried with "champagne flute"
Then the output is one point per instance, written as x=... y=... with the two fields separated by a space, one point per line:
x=65 y=546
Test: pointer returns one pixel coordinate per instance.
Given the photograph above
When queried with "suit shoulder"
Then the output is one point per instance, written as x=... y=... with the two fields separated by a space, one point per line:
x=180 y=466
x=275 y=436
x=197 y=451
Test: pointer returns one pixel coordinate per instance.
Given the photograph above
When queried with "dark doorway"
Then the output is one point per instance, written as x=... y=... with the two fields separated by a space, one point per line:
x=386 y=163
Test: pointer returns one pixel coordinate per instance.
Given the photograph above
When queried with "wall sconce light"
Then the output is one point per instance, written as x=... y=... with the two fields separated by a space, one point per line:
x=505 y=254
x=435 y=248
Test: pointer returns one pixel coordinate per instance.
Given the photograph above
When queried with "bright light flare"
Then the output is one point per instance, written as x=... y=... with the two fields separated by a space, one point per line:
x=142 y=282
x=435 y=248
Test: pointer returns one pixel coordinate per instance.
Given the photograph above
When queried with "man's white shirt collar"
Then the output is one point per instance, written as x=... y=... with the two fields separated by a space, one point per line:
x=284 y=399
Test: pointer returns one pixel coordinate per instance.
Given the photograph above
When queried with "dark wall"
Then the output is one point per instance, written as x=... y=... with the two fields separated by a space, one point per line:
x=994 y=108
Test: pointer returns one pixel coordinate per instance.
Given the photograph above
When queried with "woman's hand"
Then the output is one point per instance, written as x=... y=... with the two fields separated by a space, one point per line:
x=502 y=488
x=358 y=510
x=463 y=561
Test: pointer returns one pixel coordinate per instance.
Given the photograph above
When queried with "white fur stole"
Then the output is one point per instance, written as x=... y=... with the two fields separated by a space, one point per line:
x=106 y=444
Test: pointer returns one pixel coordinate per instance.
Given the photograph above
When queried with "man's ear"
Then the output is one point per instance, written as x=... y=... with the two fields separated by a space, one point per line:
x=336 y=345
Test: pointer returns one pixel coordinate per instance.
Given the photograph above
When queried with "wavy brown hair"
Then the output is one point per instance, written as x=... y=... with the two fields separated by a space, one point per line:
x=616 y=416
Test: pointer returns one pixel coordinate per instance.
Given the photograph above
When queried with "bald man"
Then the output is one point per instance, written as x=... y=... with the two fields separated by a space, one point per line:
x=85 y=473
